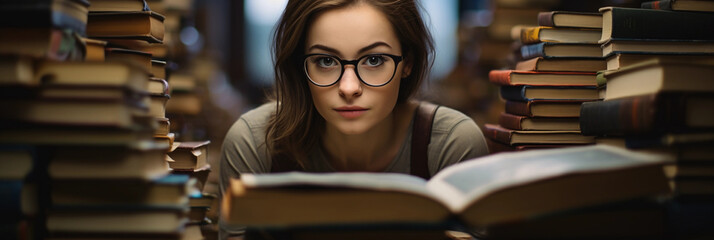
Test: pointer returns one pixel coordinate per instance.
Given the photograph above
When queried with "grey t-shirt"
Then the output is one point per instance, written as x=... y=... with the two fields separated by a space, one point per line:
x=454 y=137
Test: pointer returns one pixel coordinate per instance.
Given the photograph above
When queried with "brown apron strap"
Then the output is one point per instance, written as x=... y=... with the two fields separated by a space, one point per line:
x=421 y=136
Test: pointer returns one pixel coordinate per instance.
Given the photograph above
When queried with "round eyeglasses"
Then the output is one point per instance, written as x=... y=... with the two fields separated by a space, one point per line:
x=374 y=70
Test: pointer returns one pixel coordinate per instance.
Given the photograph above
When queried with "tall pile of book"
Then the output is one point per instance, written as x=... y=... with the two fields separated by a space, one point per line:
x=556 y=73
x=188 y=155
x=658 y=96
x=82 y=112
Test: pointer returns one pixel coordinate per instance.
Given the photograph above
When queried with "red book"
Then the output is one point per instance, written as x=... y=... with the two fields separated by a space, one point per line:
x=533 y=78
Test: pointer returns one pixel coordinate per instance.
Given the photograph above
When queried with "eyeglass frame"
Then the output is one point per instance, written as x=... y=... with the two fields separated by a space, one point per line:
x=395 y=58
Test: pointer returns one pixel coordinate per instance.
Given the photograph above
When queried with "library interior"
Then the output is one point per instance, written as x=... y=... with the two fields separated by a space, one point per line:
x=117 y=118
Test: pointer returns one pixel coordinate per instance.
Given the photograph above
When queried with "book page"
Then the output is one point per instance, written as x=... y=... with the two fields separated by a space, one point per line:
x=466 y=182
x=374 y=181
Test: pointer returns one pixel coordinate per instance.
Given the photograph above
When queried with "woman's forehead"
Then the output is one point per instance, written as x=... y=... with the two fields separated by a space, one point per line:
x=350 y=29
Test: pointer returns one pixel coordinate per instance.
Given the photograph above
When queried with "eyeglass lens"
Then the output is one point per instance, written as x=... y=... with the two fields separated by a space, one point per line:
x=372 y=69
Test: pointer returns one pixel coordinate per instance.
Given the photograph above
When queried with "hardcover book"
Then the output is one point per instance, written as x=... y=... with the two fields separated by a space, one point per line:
x=545 y=108
x=519 y=137
x=548 y=50
x=516 y=122
x=659 y=75
x=137 y=58
x=649 y=114
x=693 y=47
x=570 y=19
x=527 y=93
x=475 y=192
x=561 y=35
x=96 y=74
x=118 y=6
x=651 y=24
x=189 y=155
x=517 y=77
x=143 y=25
x=621 y=60
x=561 y=64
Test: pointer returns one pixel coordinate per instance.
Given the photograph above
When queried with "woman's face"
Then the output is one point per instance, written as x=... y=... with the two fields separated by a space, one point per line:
x=349 y=33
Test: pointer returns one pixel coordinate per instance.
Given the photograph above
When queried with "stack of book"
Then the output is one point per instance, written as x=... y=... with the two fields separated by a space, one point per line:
x=81 y=106
x=556 y=74
x=32 y=32
x=189 y=152
x=140 y=43
x=658 y=95
x=190 y=159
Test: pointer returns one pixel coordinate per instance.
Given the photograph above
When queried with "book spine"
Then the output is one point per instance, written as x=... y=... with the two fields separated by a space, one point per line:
x=661 y=5
x=514 y=93
x=533 y=50
x=546 y=19
x=633 y=116
x=500 y=77
x=635 y=23
x=510 y=121
x=498 y=134
x=530 y=35
x=519 y=108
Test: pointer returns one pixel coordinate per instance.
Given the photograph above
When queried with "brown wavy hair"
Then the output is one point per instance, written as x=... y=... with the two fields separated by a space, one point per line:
x=296 y=127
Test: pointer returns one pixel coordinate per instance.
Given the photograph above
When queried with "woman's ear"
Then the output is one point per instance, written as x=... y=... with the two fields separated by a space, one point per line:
x=407 y=69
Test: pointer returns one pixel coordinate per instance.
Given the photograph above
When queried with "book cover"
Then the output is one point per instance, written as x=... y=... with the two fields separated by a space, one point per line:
x=570 y=19
x=545 y=108
x=659 y=75
x=189 y=155
x=619 y=60
x=143 y=25
x=549 y=49
x=561 y=64
x=475 y=192
x=517 y=122
x=519 y=137
x=638 y=23
x=118 y=6
x=693 y=47
x=539 y=34
x=648 y=114
x=534 y=78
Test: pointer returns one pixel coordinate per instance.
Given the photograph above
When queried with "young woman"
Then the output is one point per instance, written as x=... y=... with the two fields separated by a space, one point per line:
x=345 y=73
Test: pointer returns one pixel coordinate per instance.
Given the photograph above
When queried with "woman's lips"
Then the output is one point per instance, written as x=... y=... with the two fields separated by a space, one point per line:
x=350 y=112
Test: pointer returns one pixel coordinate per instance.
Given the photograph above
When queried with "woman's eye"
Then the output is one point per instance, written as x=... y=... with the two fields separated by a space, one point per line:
x=326 y=62
x=374 y=61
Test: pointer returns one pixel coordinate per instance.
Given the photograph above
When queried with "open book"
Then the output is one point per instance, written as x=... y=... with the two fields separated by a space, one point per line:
x=495 y=189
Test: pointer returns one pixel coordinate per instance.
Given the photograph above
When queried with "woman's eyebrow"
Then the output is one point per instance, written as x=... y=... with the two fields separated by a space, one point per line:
x=373 y=45
x=324 y=48
x=337 y=52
